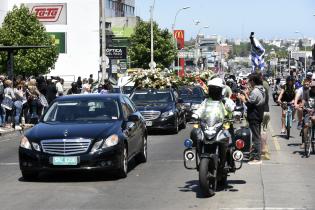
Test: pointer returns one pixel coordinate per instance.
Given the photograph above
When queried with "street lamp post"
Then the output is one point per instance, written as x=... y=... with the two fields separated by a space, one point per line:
x=103 y=25
x=152 y=66
x=297 y=32
x=196 y=44
x=173 y=28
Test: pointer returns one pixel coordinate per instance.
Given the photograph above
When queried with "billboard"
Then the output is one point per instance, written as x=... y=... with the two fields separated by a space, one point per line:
x=50 y=14
x=59 y=39
x=122 y=31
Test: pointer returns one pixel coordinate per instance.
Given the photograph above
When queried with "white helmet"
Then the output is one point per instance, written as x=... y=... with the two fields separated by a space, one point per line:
x=216 y=82
x=313 y=81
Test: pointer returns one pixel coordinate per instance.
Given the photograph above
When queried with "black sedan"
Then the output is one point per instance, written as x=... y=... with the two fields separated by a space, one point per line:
x=192 y=97
x=78 y=132
x=162 y=109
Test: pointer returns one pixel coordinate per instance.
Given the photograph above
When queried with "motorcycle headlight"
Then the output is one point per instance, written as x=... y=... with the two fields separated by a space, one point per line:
x=195 y=106
x=167 y=114
x=25 y=143
x=210 y=132
x=109 y=142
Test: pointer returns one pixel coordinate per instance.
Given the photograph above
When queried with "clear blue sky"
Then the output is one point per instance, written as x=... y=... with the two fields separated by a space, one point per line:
x=235 y=18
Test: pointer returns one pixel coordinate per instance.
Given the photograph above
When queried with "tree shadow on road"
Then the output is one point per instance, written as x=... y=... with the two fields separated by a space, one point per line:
x=193 y=186
x=301 y=153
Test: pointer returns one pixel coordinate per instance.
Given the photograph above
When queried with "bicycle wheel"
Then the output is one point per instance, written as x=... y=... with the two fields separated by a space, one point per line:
x=307 y=142
x=287 y=124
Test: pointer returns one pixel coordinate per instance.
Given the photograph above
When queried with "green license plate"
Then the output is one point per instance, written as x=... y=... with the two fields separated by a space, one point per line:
x=65 y=161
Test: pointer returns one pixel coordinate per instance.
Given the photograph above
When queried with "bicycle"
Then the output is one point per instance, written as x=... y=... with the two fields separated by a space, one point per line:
x=309 y=140
x=288 y=107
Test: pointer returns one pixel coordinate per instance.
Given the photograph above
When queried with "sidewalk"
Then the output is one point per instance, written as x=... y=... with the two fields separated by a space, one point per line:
x=4 y=131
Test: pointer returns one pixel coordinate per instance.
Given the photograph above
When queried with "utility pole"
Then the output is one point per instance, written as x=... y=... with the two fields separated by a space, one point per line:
x=152 y=65
x=103 y=25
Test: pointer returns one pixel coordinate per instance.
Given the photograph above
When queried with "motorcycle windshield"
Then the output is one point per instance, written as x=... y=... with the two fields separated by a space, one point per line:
x=213 y=114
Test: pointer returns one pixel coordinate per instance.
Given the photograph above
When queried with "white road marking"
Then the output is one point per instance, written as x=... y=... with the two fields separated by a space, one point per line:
x=6 y=140
x=9 y=164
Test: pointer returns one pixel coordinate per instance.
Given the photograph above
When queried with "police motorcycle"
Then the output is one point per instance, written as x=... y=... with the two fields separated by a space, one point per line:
x=213 y=152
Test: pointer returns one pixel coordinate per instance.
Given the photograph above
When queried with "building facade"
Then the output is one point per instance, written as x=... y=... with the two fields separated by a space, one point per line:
x=119 y=8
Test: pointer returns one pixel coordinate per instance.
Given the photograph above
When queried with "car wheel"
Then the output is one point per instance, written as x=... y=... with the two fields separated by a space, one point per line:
x=143 y=154
x=29 y=175
x=183 y=125
x=123 y=168
x=176 y=127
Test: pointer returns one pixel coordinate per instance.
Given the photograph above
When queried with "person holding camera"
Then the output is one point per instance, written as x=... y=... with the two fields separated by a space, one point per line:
x=254 y=100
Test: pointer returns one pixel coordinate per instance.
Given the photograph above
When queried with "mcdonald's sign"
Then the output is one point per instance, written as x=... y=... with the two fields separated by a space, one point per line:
x=179 y=35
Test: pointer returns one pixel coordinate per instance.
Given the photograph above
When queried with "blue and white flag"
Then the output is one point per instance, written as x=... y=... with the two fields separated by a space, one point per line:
x=257 y=53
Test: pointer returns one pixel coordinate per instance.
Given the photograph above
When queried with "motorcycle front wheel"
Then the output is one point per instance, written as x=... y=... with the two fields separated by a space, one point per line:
x=207 y=177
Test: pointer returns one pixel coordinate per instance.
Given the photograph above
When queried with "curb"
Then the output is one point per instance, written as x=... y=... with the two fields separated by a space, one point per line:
x=11 y=130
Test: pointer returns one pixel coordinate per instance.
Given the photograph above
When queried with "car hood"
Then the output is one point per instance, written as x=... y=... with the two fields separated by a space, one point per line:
x=44 y=131
x=193 y=101
x=155 y=107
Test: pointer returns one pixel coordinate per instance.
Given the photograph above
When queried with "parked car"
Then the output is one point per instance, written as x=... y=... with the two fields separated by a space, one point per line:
x=192 y=96
x=91 y=132
x=162 y=109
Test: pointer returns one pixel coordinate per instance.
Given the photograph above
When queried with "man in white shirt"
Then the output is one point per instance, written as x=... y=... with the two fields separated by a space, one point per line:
x=59 y=87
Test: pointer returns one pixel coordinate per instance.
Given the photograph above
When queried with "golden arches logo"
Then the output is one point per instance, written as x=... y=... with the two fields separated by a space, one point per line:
x=179 y=34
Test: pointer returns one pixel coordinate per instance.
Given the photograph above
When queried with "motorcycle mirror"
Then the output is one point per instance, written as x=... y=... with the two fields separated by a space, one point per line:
x=195 y=116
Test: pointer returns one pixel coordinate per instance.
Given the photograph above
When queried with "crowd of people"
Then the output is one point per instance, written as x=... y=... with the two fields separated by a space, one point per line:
x=23 y=100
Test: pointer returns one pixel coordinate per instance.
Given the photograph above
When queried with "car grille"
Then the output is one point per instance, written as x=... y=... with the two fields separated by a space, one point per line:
x=65 y=146
x=151 y=115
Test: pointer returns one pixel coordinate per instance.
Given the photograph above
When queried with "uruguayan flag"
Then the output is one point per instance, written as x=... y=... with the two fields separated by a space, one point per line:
x=257 y=53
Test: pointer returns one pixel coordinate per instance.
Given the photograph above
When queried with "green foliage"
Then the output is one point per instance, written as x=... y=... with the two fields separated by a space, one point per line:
x=20 y=27
x=140 y=45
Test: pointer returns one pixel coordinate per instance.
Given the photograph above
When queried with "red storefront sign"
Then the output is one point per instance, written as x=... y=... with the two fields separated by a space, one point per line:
x=47 y=13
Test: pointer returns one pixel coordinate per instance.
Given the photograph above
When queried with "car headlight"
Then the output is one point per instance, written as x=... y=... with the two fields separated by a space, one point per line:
x=109 y=142
x=25 y=143
x=195 y=106
x=167 y=114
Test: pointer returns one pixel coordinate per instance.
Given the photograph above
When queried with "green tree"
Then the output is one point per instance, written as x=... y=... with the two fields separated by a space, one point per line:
x=140 y=45
x=21 y=27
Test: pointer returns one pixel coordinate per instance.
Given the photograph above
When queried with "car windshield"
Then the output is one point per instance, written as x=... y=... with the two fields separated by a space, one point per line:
x=151 y=97
x=190 y=93
x=83 y=111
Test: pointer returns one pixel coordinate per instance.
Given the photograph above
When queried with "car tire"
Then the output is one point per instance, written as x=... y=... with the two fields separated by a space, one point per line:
x=183 y=125
x=143 y=154
x=123 y=163
x=29 y=175
x=176 y=127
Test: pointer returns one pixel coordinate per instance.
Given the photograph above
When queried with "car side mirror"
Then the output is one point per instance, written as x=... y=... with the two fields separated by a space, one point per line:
x=180 y=100
x=133 y=118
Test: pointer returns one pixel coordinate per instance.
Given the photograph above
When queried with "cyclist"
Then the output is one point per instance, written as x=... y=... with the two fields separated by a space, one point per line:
x=300 y=97
x=307 y=117
x=287 y=94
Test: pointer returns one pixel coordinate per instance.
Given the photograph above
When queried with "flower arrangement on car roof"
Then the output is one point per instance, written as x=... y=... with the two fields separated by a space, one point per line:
x=162 y=79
